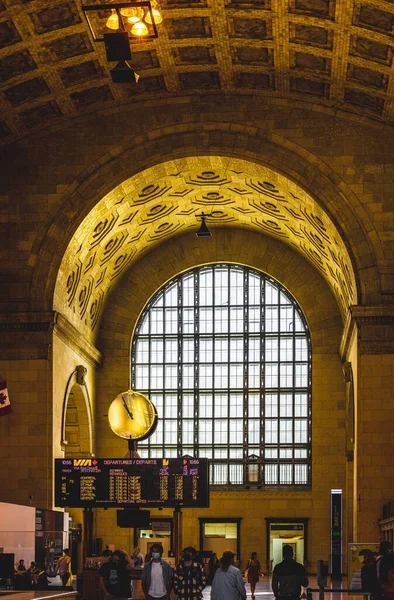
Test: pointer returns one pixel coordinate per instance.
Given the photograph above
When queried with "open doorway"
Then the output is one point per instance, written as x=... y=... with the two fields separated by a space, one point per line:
x=280 y=532
x=218 y=535
x=162 y=532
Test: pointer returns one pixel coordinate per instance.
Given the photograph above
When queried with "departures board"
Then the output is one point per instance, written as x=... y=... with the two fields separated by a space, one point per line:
x=131 y=483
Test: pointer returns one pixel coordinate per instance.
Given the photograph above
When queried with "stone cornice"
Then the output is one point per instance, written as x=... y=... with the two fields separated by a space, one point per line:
x=73 y=338
x=28 y=335
x=27 y=321
x=375 y=330
x=379 y=315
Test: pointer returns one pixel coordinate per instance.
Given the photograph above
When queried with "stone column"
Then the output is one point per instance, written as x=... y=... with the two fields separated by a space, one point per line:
x=373 y=332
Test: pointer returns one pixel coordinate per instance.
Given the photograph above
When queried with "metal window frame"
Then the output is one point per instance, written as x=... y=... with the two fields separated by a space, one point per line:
x=196 y=337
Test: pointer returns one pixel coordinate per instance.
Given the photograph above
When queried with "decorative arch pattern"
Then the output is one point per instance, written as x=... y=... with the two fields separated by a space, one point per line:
x=135 y=217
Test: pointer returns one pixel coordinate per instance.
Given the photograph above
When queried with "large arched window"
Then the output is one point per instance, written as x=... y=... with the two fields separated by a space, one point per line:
x=224 y=353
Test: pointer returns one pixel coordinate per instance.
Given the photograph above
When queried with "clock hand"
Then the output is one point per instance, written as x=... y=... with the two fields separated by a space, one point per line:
x=127 y=409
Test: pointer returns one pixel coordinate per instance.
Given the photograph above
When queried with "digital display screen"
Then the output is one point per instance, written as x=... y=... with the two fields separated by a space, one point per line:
x=131 y=482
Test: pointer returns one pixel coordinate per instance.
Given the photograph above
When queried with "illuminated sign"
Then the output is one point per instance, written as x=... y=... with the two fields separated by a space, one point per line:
x=106 y=482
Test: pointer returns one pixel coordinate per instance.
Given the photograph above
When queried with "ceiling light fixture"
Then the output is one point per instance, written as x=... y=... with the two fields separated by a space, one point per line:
x=155 y=14
x=123 y=17
x=203 y=231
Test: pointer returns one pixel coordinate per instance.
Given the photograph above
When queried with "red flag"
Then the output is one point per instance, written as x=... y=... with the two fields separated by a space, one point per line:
x=5 y=405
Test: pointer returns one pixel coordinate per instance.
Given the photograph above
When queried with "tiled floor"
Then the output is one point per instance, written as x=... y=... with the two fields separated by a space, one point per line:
x=264 y=591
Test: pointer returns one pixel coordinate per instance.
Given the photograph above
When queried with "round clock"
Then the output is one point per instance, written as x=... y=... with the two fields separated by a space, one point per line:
x=132 y=416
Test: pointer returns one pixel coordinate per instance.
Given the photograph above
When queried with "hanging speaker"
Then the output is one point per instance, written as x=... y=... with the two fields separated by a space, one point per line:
x=117 y=46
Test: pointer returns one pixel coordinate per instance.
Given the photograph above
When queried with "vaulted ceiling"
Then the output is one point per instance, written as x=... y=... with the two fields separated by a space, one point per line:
x=163 y=201
x=338 y=53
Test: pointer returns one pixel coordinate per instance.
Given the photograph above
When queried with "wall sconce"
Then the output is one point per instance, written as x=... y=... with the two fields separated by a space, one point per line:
x=137 y=19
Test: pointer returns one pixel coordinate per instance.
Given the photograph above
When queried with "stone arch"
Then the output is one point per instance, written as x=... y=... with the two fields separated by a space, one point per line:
x=245 y=142
x=77 y=415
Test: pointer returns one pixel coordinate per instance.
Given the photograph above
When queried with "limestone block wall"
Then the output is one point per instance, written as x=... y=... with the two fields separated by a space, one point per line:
x=375 y=441
x=26 y=434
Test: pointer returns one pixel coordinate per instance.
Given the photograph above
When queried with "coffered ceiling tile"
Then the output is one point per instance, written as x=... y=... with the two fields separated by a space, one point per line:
x=5 y=131
x=244 y=55
x=311 y=36
x=310 y=62
x=40 y=115
x=371 y=17
x=9 y=34
x=257 y=29
x=368 y=77
x=69 y=46
x=323 y=9
x=244 y=4
x=205 y=80
x=194 y=55
x=27 y=91
x=192 y=27
x=55 y=17
x=91 y=96
x=85 y=71
x=147 y=85
x=366 y=101
x=310 y=86
x=16 y=64
x=255 y=81
x=371 y=50
x=145 y=59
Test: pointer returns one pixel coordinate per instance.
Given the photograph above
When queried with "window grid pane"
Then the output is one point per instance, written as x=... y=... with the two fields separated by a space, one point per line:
x=224 y=353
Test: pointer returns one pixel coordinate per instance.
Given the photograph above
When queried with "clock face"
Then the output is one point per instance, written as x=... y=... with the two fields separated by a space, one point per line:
x=132 y=416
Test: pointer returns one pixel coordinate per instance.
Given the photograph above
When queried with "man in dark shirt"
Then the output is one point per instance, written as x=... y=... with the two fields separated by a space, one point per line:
x=369 y=575
x=386 y=576
x=288 y=577
x=115 y=575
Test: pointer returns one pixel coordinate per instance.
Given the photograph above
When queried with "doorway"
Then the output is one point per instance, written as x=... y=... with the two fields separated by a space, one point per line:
x=218 y=535
x=281 y=532
x=161 y=531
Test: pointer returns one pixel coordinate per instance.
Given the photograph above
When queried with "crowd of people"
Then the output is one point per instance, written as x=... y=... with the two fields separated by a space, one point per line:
x=188 y=580
x=36 y=576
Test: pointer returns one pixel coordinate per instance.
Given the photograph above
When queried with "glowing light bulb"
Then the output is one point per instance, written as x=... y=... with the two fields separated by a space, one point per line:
x=156 y=16
x=139 y=29
x=113 y=21
x=133 y=20
x=132 y=14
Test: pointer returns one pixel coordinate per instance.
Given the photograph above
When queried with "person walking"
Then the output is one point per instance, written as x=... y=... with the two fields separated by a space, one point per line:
x=369 y=575
x=63 y=566
x=213 y=565
x=228 y=583
x=115 y=576
x=385 y=547
x=156 y=576
x=288 y=577
x=386 y=576
x=189 y=577
x=253 y=572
